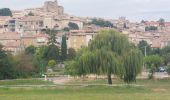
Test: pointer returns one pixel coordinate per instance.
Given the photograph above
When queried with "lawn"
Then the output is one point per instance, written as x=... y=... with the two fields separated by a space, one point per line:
x=147 y=90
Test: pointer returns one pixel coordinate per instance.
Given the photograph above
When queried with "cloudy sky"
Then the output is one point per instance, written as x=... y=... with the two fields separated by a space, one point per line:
x=135 y=10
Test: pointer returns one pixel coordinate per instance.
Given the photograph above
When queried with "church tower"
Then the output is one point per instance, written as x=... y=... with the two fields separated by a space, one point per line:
x=56 y=2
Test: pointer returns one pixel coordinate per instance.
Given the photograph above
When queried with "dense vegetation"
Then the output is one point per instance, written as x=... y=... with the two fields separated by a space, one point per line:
x=72 y=26
x=101 y=23
x=151 y=28
x=33 y=62
x=155 y=57
x=5 y=12
x=109 y=53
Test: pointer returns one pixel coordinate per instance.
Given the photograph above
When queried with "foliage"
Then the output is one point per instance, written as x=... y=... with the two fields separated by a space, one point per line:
x=168 y=69
x=101 y=23
x=39 y=60
x=52 y=39
x=24 y=65
x=30 y=14
x=30 y=50
x=51 y=52
x=64 y=48
x=71 y=68
x=142 y=45
x=71 y=53
x=151 y=28
x=161 y=22
x=166 y=59
x=165 y=50
x=132 y=64
x=105 y=56
x=67 y=29
x=73 y=26
x=51 y=31
x=165 y=54
x=156 y=51
x=52 y=63
x=153 y=62
x=7 y=70
x=5 y=12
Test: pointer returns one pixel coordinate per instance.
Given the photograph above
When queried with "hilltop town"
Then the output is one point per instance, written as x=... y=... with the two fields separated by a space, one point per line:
x=48 y=54
x=27 y=27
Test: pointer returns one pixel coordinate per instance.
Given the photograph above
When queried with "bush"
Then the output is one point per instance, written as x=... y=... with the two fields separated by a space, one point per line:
x=168 y=69
x=52 y=63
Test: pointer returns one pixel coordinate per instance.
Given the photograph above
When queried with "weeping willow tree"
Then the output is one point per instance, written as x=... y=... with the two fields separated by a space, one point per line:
x=110 y=53
x=132 y=65
x=100 y=62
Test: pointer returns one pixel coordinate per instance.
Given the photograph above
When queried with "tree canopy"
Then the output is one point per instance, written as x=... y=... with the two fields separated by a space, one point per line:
x=110 y=53
x=144 y=45
x=101 y=23
x=73 y=26
x=30 y=50
x=30 y=14
x=5 y=12
x=153 y=62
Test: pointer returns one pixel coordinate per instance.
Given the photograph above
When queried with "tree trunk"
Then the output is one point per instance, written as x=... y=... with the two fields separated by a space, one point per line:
x=109 y=79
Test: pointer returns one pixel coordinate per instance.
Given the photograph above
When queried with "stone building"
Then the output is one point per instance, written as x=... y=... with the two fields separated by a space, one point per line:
x=49 y=8
x=32 y=24
x=78 y=39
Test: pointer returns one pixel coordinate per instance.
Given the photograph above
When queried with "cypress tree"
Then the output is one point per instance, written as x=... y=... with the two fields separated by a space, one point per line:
x=64 y=48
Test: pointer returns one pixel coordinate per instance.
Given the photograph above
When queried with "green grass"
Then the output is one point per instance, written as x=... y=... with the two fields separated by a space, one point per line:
x=149 y=90
x=25 y=82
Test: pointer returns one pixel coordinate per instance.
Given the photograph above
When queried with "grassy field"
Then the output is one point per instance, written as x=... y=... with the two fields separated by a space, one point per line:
x=147 y=90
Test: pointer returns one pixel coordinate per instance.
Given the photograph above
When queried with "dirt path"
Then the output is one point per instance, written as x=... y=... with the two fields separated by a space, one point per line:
x=60 y=80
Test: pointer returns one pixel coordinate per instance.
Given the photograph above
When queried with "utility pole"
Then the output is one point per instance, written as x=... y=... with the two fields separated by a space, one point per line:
x=145 y=51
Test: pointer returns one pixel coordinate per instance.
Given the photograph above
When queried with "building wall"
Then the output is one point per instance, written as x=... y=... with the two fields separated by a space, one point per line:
x=28 y=41
x=77 y=41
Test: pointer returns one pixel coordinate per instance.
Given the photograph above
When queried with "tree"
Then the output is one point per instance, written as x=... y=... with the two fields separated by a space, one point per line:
x=165 y=53
x=24 y=65
x=132 y=64
x=106 y=56
x=5 y=12
x=50 y=31
x=165 y=50
x=73 y=26
x=101 y=23
x=156 y=51
x=64 y=48
x=71 y=68
x=39 y=60
x=99 y=62
x=52 y=63
x=30 y=14
x=153 y=62
x=52 y=39
x=142 y=21
x=71 y=53
x=144 y=45
x=7 y=70
x=51 y=53
x=161 y=22
x=166 y=59
x=30 y=50
x=151 y=28
x=66 y=29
